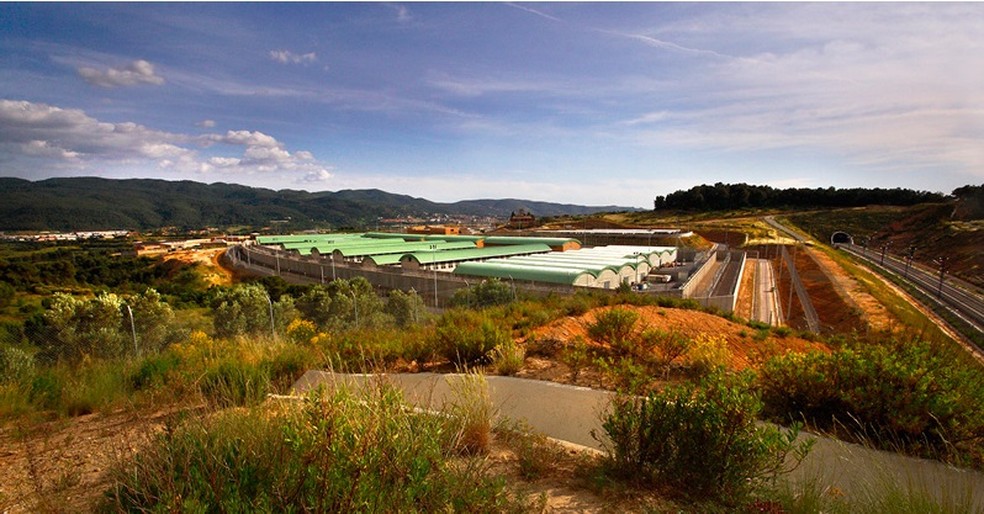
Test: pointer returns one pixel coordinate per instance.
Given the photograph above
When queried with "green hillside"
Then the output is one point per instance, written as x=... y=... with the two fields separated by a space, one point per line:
x=89 y=203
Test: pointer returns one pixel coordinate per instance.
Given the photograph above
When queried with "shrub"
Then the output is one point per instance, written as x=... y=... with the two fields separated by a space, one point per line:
x=616 y=328
x=577 y=356
x=487 y=293
x=508 y=357
x=16 y=365
x=664 y=347
x=337 y=452
x=910 y=394
x=153 y=371
x=466 y=336
x=301 y=331
x=698 y=440
x=707 y=354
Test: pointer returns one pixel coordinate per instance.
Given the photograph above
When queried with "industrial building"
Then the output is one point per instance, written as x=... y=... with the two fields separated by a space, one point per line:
x=548 y=260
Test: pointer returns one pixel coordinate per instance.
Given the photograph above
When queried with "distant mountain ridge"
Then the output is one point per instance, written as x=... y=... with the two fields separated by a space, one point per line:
x=91 y=203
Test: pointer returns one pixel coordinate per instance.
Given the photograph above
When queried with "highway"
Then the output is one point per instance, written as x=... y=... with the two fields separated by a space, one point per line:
x=965 y=304
x=765 y=303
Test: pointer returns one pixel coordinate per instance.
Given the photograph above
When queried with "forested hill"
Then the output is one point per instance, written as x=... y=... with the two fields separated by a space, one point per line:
x=88 y=203
x=742 y=196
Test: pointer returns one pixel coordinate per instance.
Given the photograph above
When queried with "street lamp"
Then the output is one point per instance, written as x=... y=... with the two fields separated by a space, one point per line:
x=944 y=262
x=908 y=262
x=332 y=259
x=273 y=328
x=433 y=249
x=133 y=330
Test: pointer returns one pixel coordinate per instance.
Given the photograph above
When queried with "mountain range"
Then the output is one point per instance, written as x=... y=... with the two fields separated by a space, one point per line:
x=90 y=203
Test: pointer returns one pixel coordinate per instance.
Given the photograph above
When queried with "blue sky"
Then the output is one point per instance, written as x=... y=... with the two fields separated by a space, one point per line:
x=590 y=103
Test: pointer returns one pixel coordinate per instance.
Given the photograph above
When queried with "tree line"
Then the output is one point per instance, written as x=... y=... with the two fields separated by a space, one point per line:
x=743 y=196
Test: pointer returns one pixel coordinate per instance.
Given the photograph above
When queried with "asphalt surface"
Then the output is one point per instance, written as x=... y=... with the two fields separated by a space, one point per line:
x=765 y=300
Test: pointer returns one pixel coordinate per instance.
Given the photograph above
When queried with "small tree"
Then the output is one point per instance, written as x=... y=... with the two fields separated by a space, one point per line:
x=83 y=327
x=406 y=308
x=245 y=310
x=487 y=293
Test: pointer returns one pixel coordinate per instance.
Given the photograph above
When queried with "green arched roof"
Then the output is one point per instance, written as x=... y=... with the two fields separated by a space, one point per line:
x=564 y=276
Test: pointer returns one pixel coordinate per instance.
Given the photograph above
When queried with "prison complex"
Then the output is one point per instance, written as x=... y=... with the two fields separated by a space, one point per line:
x=548 y=260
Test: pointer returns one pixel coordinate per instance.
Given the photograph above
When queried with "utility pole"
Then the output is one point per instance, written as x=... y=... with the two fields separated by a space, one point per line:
x=884 y=247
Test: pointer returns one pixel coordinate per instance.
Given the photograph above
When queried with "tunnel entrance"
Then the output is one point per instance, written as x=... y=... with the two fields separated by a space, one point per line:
x=842 y=238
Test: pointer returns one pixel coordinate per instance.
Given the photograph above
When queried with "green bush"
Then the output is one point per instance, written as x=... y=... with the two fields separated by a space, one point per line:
x=335 y=453
x=487 y=293
x=46 y=390
x=699 y=440
x=153 y=371
x=913 y=395
x=466 y=337
x=616 y=328
x=508 y=357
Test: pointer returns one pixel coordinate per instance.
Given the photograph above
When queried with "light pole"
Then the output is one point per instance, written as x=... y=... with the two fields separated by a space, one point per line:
x=133 y=330
x=273 y=328
x=332 y=258
x=943 y=261
x=884 y=247
x=908 y=262
x=433 y=249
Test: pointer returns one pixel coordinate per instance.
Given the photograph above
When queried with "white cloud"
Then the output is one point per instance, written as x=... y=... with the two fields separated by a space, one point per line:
x=45 y=149
x=206 y=124
x=318 y=176
x=876 y=86
x=40 y=131
x=137 y=72
x=288 y=57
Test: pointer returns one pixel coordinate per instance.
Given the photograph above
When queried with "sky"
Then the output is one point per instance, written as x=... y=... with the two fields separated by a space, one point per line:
x=586 y=103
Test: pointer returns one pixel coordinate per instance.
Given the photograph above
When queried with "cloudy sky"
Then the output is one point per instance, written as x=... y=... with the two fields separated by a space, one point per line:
x=583 y=103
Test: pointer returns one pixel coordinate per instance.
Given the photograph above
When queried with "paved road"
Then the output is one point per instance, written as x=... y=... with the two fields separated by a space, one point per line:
x=765 y=300
x=782 y=228
x=963 y=303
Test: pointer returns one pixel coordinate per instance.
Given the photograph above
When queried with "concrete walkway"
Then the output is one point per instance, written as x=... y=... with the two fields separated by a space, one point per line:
x=571 y=413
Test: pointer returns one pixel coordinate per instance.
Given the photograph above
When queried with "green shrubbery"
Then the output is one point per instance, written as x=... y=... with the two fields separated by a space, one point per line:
x=698 y=439
x=911 y=395
x=339 y=452
x=465 y=336
x=486 y=293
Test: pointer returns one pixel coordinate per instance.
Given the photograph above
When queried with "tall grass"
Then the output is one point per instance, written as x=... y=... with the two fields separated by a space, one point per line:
x=338 y=452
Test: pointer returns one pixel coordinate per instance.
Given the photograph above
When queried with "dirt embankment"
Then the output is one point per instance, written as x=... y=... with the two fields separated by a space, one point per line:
x=746 y=350
x=212 y=271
